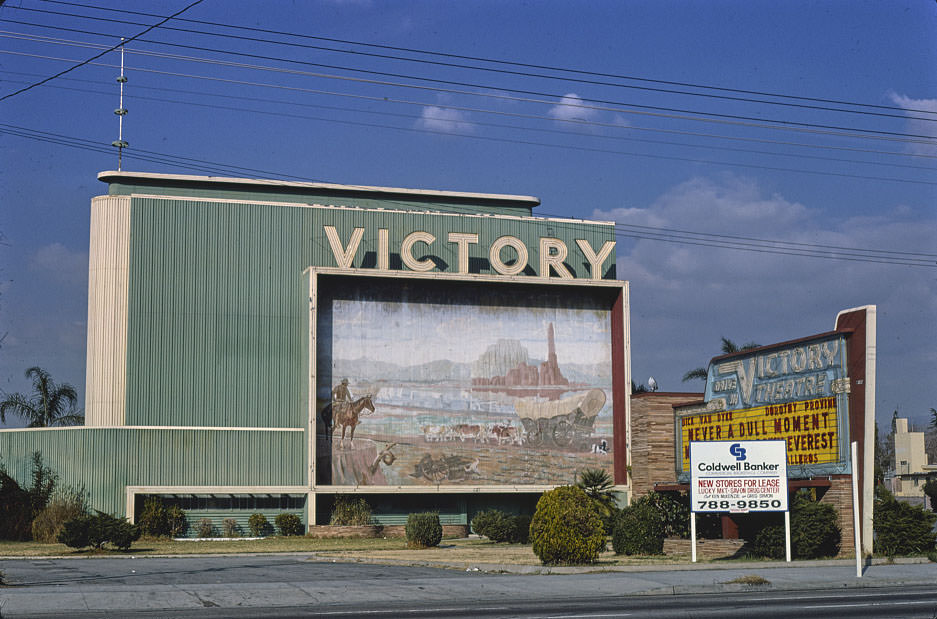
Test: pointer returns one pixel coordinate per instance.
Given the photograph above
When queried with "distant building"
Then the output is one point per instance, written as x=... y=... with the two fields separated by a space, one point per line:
x=910 y=465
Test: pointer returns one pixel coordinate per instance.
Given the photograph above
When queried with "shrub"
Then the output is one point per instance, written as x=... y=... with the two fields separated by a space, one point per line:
x=15 y=509
x=501 y=527
x=484 y=519
x=674 y=510
x=423 y=530
x=176 y=521
x=639 y=530
x=97 y=530
x=153 y=520
x=18 y=505
x=900 y=528
x=350 y=512
x=206 y=528
x=566 y=529
x=259 y=525
x=231 y=527
x=521 y=533
x=66 y=504
x=289 y=524
x=44 y=480
x=814 y=531
x=769 y=542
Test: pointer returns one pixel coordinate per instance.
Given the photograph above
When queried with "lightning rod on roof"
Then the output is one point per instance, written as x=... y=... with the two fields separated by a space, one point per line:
x=120 y=143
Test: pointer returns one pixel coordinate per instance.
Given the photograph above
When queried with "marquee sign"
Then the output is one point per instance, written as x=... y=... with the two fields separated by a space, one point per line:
x=809 y=428
x=795 y=392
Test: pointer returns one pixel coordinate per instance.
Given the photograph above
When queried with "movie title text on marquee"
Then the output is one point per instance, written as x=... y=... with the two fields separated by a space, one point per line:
x=508 y=255
x=809 y=428
x=738 y=476
x=800 y=372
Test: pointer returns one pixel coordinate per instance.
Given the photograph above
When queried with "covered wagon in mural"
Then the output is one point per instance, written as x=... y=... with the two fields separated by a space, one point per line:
x=565 y=422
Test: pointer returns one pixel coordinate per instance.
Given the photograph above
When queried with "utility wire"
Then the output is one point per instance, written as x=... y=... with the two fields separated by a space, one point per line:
x=587 y=149
x=110 y=49
x=527 y=74
x=622 y=230
x=498 y=61
x=578 y=122
x=242 y=109
x=620 y=106
x=867 y=134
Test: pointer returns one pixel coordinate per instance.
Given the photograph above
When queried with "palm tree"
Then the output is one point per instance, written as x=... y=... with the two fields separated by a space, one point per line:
x=49 y=404
x=598 y=484
x=728 y=347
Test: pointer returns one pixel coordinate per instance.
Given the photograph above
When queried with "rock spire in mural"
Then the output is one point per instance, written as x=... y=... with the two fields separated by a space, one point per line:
x=505 y=365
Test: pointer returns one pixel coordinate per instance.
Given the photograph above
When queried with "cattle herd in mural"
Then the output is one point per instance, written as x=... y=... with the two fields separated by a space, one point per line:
x=459 y=394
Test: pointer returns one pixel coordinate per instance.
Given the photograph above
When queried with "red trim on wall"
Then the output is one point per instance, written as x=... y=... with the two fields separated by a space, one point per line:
x=853 y=325
x=620 y=392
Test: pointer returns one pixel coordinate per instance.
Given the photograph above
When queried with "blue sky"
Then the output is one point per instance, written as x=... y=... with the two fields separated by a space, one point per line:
x=586 y=149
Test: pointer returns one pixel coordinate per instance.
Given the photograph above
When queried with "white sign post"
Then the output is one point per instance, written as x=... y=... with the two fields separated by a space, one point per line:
x=739 y=477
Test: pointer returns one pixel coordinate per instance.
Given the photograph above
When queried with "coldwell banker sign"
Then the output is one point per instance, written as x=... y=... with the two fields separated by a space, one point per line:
x=738 y=476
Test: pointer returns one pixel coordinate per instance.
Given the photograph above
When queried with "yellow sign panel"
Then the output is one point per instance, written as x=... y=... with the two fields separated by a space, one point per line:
x=809 y=427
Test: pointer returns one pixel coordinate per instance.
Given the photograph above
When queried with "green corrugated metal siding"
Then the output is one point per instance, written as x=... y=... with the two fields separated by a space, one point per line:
x=106 y=460
x=217 y=300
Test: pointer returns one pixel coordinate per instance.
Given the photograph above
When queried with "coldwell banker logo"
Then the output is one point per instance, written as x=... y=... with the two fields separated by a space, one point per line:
x=737 y=451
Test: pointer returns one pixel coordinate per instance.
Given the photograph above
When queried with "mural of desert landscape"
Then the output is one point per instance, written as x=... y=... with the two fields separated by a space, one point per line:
x=462 y=386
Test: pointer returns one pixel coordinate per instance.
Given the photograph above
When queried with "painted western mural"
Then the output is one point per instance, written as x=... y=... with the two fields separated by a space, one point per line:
x=442 y=383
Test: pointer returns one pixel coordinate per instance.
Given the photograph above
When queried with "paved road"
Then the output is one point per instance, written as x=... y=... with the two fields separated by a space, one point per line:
x=284 y=586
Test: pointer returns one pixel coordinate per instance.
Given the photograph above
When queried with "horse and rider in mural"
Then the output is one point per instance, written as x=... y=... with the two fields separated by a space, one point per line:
x=346 y=412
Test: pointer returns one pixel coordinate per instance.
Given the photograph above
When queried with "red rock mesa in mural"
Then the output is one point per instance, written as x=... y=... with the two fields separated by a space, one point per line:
x=522 y=374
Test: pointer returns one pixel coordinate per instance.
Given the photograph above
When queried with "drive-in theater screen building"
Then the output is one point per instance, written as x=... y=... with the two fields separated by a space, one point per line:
x=261 y=346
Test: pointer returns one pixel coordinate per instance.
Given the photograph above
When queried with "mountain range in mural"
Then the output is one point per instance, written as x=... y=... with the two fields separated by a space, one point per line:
x=504 y=363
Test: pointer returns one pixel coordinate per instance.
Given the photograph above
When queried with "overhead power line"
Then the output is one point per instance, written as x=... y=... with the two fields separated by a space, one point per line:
x=500 y=61
x=110 y=49
x=670 y=235
x=528 y=74
x=596 y=136
x=494 y=92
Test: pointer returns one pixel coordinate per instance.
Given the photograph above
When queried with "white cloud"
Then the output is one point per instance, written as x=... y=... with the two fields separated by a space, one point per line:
x=61 y=265
x=685 y=297
x=434 y=118
x=919 y=127
x=572 y=107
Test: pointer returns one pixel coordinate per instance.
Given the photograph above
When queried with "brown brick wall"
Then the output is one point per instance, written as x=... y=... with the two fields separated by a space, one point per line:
x=839 y=495
x=652 y=442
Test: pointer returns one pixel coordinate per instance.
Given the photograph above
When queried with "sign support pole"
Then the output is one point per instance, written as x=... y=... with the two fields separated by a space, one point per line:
x=693 y=535
x=787 y=535
x=853 y=448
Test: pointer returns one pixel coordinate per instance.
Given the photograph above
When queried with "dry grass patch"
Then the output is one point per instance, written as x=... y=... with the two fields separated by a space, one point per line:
x=750 y=579
x=173 y=547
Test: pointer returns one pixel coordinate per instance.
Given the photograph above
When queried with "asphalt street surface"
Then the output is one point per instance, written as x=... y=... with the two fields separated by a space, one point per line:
x=298 y=586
